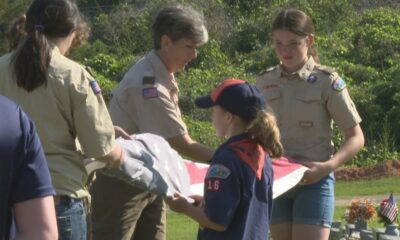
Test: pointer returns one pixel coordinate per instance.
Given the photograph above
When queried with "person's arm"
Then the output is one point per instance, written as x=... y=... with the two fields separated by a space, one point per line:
x=181 y=205
x=353 y=142
x=188 y=147
x=120 y=132
x=114 y=158
x=36 y=219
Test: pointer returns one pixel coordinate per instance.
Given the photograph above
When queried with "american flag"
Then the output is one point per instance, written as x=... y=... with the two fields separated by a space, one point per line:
x=389 y=210
x=151 y=164
x=287 y=174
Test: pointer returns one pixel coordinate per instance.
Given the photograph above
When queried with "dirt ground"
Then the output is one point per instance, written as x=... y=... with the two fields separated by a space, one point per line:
x=388 y=168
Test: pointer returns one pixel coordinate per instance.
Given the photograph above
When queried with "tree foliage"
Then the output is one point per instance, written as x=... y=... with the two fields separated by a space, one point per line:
x=361 y=39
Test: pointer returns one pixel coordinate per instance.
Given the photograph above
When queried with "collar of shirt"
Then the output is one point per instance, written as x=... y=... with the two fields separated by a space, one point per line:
x=53 y=47
x=232 y=139
x=164 y=77
x=303 y=73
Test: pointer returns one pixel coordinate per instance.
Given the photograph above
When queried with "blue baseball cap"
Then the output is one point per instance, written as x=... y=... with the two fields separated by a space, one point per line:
x=236 y=96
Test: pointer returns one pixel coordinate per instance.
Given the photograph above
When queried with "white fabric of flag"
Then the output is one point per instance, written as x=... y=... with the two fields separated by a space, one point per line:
x=152 y=165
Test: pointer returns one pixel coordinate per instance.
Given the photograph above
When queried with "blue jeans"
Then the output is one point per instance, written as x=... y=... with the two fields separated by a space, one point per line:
x=71 y=219
x=309 y=204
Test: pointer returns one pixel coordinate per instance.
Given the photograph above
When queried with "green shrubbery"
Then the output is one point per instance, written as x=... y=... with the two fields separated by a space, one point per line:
x=359 y=38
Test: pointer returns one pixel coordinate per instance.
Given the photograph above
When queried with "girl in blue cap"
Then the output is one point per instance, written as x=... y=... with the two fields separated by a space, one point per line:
x=238 y=185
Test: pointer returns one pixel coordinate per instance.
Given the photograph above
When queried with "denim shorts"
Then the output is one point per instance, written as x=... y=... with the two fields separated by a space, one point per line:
x=71 y=219
x=309 y=204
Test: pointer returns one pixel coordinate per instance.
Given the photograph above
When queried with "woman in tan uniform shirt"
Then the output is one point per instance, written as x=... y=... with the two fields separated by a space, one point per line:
x=65 y=103
x=306 y=98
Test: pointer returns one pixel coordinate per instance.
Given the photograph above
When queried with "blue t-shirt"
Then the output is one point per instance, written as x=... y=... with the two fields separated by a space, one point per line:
x=24 y=174
x=238 y=191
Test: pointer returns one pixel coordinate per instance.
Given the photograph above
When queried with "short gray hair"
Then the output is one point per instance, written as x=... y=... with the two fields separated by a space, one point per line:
x=179 y=22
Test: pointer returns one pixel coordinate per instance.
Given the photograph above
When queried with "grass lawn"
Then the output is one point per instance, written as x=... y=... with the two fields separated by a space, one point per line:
x=180 y=227
x=368 y=188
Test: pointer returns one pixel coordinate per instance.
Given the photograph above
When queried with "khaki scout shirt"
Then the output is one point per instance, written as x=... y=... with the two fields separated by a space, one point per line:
x=65 y=110
x=305 y=104
x=146 y=100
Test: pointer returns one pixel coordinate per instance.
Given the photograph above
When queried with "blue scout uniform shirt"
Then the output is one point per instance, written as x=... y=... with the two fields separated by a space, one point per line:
x=24 y=174
x=238 y=191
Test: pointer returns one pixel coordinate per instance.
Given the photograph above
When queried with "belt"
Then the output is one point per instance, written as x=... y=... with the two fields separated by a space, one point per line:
x=62 y=198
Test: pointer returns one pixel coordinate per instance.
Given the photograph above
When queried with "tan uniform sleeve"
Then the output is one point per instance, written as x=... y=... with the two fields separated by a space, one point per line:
x=93 y=124
x=342 y=108
x=158 y=115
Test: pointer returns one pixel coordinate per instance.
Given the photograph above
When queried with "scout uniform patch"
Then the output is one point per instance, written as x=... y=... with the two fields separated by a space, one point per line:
x=150 y=92
x=95 y=87
x=338 y=84
x=148 y=80
x=306 y=124
x=218 y=171
x=312 y=79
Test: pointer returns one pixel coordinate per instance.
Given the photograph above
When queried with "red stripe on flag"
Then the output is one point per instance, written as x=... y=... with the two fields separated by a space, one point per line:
x=282 y=166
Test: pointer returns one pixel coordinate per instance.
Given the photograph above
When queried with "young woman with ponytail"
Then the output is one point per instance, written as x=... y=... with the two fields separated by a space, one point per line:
x=306 y=98
x=63 y=100
x=238 y=184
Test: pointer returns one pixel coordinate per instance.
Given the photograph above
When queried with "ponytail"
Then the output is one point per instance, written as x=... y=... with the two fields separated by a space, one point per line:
x=44 y=19
x=313 y=53
x=31 y=60
x=264 y=130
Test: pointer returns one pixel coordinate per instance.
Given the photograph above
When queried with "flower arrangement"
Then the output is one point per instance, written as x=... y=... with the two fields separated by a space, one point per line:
x=387 y=211
x=361 y=210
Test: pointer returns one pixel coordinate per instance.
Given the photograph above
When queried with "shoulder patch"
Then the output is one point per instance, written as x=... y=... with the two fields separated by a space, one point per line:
x=148 y=80
x=150 y=92
x=325 y=69
x=218 y=171
x=338 y=84
x=95 y=87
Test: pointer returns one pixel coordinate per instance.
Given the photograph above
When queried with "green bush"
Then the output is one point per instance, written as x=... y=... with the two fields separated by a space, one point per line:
x=202 y=132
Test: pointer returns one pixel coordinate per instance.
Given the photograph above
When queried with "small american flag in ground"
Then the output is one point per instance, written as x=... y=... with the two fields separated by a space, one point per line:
x=389 y=209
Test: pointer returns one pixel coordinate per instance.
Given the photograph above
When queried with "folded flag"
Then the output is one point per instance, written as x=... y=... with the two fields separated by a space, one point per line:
x=152 y=165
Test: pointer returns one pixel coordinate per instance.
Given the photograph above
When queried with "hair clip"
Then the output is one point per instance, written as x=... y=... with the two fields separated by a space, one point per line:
x=38 y=27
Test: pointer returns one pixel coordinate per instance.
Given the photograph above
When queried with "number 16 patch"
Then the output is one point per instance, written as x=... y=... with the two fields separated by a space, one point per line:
x=213 y=185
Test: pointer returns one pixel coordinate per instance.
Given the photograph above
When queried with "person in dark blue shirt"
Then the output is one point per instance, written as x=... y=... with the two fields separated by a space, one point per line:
x=25 y=185
x=237 y=199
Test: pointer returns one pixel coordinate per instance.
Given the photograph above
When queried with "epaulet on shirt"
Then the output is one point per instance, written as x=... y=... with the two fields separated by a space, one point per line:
x=337 y=83
x=326 y=69
x=89 y=70
x=269 y=70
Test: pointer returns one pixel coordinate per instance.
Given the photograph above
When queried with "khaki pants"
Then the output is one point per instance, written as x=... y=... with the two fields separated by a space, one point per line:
x=123 y=212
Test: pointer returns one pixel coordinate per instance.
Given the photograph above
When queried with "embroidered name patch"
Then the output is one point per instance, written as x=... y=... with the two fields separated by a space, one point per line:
x=306 y=124
x=150 y=92
x=95 y=87
x=339 y=84
x=270 y=86
x=218 y=171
